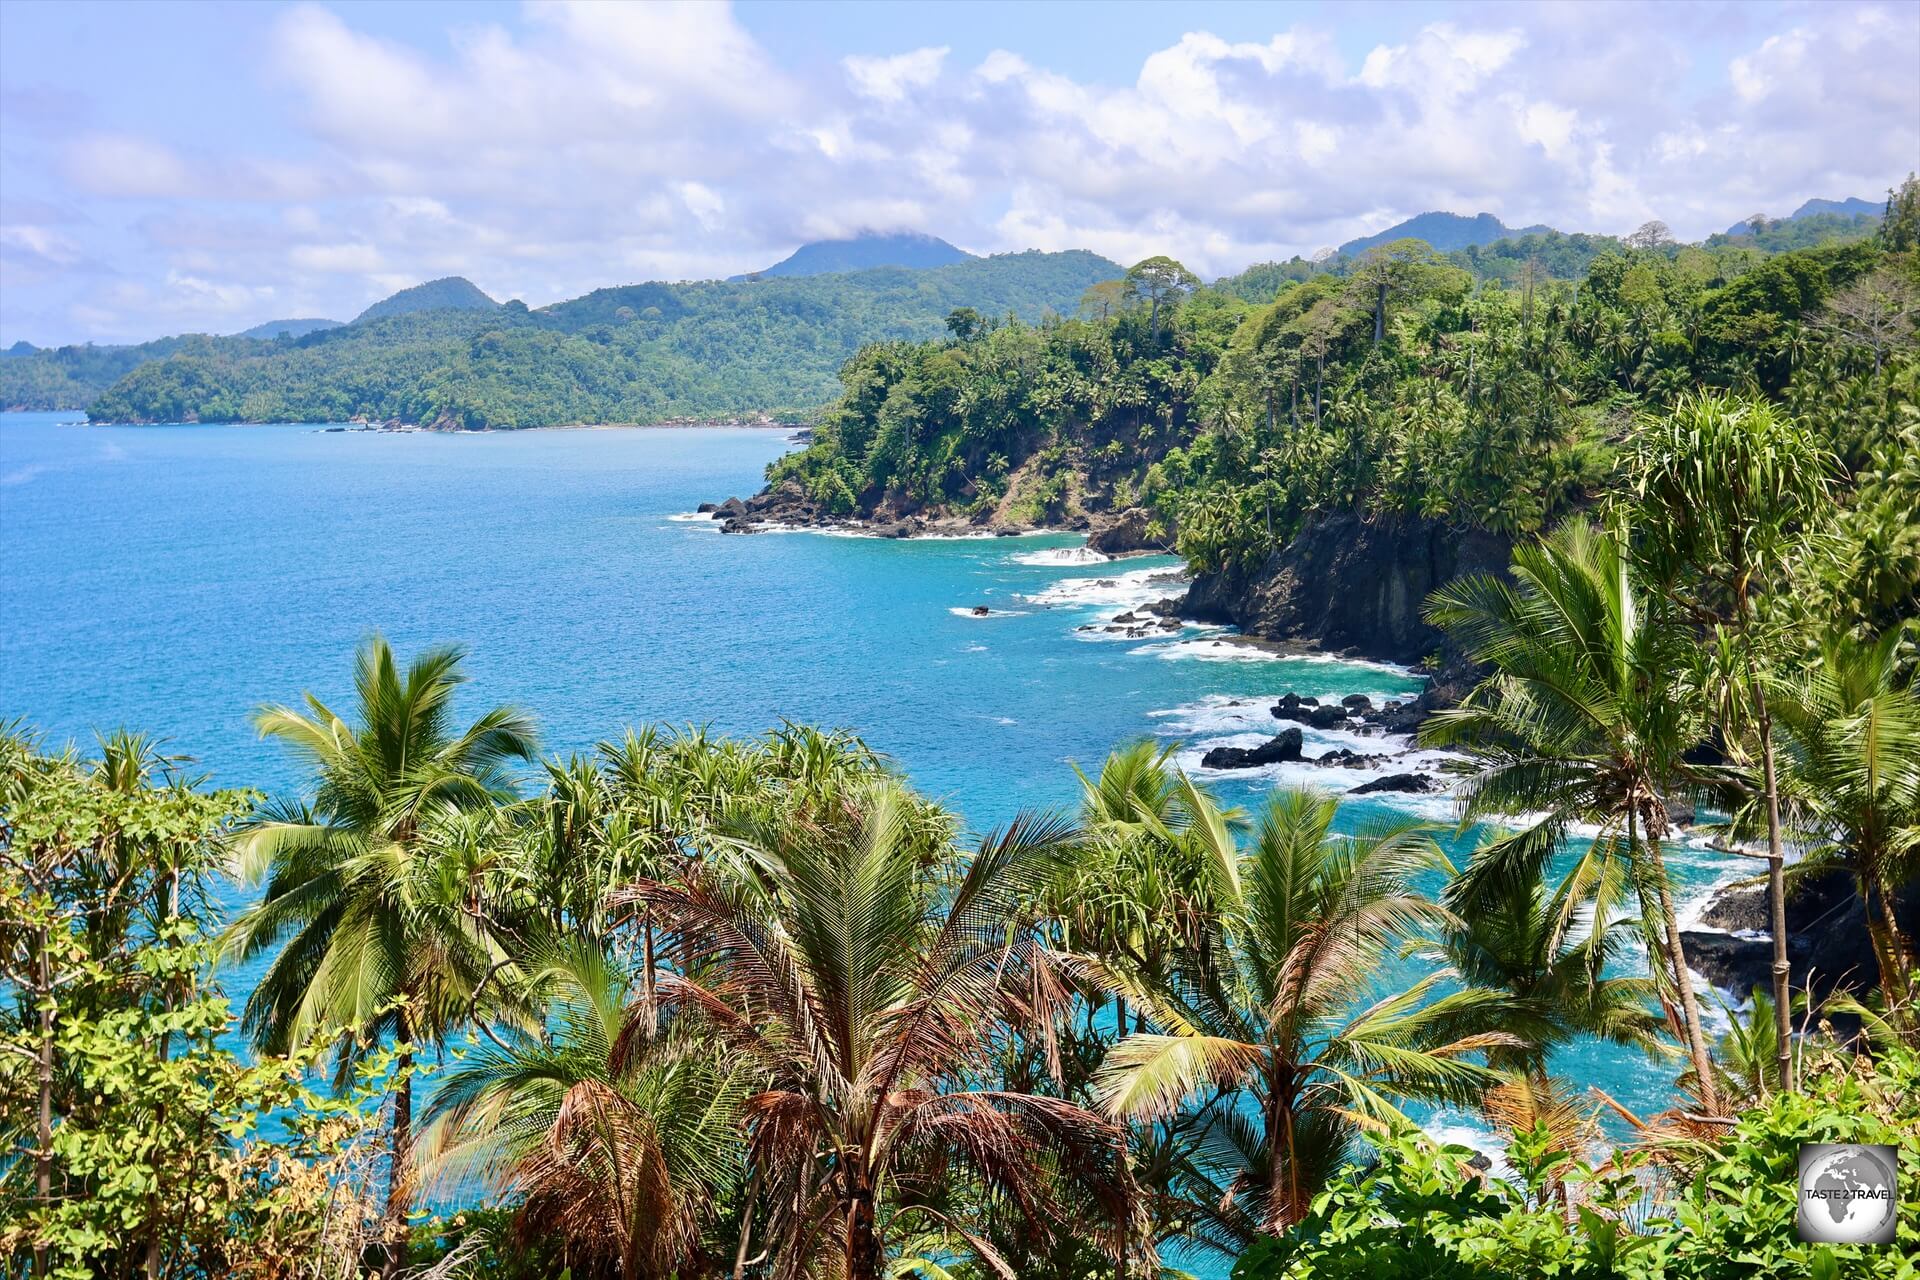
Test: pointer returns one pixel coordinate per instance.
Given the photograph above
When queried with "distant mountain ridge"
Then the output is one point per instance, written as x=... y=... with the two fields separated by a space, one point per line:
x=1851 y=207
x=1444 y=231
x=449 y=293
x=911 y=249
x=287 y=328
x=446 y=355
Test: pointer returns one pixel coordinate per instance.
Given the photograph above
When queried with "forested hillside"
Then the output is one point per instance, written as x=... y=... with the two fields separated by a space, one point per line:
x=1399 y=383
x=640 y=353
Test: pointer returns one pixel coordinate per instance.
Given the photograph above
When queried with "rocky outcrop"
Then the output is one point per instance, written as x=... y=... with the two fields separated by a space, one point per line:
x=1279 y=749
x=1826 y=936
x=1409 y=783
x=1309 y=711
x=1124 y=534
x=1348 y=584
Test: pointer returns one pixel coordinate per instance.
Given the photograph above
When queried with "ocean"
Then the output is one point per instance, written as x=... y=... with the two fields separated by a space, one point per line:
x=173 y=578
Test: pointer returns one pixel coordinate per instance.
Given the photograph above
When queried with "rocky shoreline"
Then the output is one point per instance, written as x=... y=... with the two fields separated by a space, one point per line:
x=788 y=507
x=1827 y=942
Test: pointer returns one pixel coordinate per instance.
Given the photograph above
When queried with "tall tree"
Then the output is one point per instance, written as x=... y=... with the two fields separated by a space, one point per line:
x=1162 y=282
x=618 y=1147
x=371 y=937
x=1582 y=722
x=1726 y=488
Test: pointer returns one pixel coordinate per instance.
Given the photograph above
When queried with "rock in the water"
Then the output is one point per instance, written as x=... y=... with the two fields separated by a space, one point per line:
x=1279 y=749
x=981 y=611
x=1347 y=759
x=1410 y=783
x=707 y=508
x=1306 y=712
x=732 y=509
x=1357 y=702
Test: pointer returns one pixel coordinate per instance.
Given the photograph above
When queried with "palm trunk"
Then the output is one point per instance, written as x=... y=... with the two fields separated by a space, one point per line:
x=864 y=1261
x=746 y=1225
x=1683 y=984
x=43 y=1128
x=1776 y=897
x=400 y=1155
x=1380 y=313
x=1890 y=948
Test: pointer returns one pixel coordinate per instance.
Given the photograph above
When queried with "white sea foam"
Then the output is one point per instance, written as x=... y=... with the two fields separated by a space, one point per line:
x=1054 y=556
x=1208 y=649
x=1456 y=1129
x=1236 y=720
x=694 y=517
x=1123 y=591
x=967 y=611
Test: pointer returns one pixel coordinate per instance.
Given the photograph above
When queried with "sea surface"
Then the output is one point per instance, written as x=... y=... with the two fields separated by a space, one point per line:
x=173 y=578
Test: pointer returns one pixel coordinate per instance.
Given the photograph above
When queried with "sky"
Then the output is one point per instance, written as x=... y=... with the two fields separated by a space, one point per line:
x=170 y=168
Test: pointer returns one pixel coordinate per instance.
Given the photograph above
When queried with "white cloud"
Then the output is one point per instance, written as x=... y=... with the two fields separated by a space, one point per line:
x=44 y=243
x=891 y=79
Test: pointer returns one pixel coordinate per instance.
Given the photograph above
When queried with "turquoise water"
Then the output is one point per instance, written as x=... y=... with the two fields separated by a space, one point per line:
x=173 y=578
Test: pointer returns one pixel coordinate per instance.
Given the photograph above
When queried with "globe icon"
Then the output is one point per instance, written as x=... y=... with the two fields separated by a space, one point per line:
x=1847 y=1195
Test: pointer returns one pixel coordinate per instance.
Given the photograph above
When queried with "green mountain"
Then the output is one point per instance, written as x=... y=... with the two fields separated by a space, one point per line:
x=1443 y=231
x=637 y=353
x=287 y=328
x=864 y=251
x=451 y=293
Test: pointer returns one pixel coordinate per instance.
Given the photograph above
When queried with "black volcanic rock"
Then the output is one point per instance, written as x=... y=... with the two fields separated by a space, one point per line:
x=1410 y=783
x=1347 y=582
x=1827 y=939
x=1279 y=749
x=1303 y=711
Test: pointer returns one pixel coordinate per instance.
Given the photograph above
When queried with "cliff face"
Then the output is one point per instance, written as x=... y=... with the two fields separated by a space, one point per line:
x=1349 y=584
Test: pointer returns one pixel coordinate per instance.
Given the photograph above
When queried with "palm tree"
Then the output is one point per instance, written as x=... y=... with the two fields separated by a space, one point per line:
x=1851 y=767
x=1272 y=1020
x=372 y=939
x=1527 y=940
x=868 y=981
x=1579 y=722
x=620 y=1149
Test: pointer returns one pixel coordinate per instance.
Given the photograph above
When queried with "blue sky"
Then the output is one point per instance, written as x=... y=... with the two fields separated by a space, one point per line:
x=172 y=168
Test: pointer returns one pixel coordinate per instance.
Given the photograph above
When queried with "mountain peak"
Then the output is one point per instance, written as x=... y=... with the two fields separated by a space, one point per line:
x=450 y=293
x=863 y=251
x=1444 y=231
